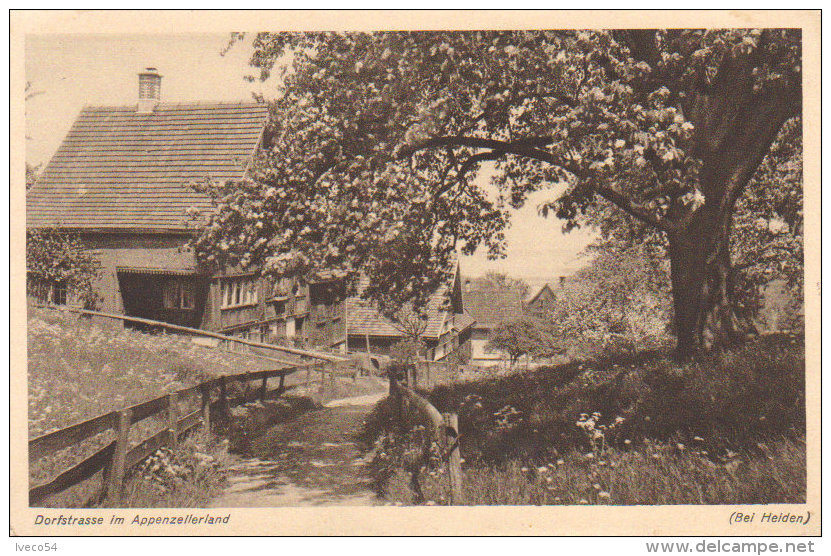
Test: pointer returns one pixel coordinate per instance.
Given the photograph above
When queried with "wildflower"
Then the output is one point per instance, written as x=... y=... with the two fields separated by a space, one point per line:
x=548 y=479
x=596 y=486
x=524 y=469
x=656 y=456
x=603 y=494
x=556 y=498
x=601 y=462
x=583 y=501
x=680 y=446
x=590 y=455
x=627 y=442
x=542 y=469
x=560 y=462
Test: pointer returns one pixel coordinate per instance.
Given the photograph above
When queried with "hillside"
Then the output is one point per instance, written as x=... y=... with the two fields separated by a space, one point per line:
x=79 y=368
x=724 y=428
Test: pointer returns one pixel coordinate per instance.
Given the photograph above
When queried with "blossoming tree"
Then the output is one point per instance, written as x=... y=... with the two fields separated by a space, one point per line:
x=375 y=140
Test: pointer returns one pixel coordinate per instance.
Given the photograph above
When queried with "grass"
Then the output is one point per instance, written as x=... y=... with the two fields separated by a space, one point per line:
x=722 y=428
x=79 y=368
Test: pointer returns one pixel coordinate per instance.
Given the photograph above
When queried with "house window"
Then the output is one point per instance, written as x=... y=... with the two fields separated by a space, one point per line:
x=236 y=292
x=59 y=293
x=178 y=294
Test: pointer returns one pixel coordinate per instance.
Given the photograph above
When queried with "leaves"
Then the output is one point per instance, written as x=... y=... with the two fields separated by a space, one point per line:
x=58 y=257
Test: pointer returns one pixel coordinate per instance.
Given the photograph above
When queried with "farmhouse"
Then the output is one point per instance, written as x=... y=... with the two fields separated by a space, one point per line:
x=120 y=181
x=445 y=332
x=490 y=305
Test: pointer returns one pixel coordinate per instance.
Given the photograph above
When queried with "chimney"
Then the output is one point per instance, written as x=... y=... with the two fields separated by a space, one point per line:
x=150 y=90
x=468 y=286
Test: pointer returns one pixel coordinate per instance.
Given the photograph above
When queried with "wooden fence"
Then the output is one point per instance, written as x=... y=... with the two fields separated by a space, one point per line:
x=443 y=429
x=117 y=457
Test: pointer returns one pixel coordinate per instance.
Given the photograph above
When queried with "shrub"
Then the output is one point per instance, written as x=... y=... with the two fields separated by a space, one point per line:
x=58 y=261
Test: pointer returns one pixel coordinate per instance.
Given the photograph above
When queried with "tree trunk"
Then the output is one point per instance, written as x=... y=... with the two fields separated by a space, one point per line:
x=700 y=272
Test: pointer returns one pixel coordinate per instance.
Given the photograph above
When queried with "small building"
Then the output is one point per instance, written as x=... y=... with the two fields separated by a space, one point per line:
x=489 y=305
x=120 y=182
x=541 y=300
x=446 y=331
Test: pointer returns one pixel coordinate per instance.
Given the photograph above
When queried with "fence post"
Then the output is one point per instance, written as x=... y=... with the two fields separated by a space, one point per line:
x=282 y=385
x=206 y=409
x=115 y=474
x=223 y=397
x=172 y=420
x=454 y=464
x=264 y=388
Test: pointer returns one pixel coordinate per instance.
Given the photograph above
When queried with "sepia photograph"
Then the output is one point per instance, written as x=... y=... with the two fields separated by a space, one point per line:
x=507 y=265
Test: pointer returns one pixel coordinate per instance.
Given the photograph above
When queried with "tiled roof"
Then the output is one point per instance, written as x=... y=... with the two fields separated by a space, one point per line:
x=535 y=293
x=363 y=319
x=120 y=169
x=463 y=321
x=491 y=305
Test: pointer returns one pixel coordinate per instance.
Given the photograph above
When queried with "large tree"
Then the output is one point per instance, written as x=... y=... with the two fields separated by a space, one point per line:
x=375 y=139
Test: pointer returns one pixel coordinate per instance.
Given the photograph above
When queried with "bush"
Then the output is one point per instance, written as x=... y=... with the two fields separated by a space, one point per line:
x=58 y=261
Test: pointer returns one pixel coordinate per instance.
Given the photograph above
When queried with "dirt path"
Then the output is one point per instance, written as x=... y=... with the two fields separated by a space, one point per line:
x=312 y=460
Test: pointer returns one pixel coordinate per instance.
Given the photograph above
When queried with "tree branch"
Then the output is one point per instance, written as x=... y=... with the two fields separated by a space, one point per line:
x=527 y=148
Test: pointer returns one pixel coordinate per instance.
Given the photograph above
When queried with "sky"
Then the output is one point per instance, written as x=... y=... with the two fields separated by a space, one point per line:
x=70 y=71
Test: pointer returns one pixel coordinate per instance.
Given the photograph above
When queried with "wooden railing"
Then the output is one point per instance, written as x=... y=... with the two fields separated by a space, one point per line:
x=230 y=343
x=443 y=429
x=117 y=457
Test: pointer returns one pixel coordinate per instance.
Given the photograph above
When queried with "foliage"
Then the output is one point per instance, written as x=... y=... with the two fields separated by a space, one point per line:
x=188 y=477
x=766 y=242
x=524 y=336
x=619 y=298
x=32 y=173
x=407 y=350
x=56 y=257
x=375 y=139
x=653 y=474
x=768 y=226
x=721 y=427
x=502 y=280
x=730 y=400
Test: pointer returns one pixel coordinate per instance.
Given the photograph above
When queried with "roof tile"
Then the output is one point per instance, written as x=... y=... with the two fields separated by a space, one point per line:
x=119 y=169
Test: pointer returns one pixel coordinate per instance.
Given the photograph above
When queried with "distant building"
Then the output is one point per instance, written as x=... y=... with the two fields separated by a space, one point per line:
x=447 y=329
x=120 y=181
x=490 y=305
x=541 y=300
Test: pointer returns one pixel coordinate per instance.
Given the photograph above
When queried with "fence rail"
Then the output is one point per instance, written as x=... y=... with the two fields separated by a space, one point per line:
x=118 y=456
x=247 y=346
x=444 y=430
